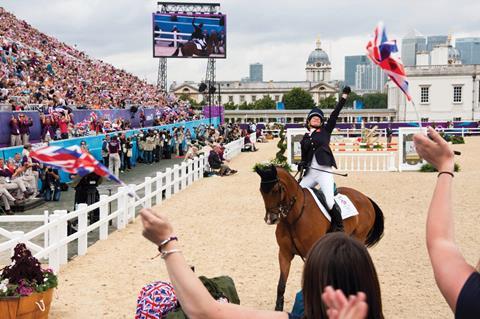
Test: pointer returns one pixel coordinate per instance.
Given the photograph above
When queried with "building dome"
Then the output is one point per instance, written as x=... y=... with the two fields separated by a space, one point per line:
x=453 y=55
x=318 y=56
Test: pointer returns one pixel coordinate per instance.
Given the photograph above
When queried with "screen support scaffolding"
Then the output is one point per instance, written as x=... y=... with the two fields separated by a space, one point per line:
x=198 y=7
x=162 y=75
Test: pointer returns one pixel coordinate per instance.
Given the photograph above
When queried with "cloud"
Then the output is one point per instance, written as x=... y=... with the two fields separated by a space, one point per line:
x=278 y=33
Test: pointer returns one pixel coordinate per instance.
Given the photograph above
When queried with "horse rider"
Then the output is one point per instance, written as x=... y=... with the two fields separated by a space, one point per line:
x=198 y=34
x=318 y=160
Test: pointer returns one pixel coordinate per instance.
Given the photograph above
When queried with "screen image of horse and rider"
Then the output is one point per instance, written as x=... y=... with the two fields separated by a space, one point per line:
x=178 y=35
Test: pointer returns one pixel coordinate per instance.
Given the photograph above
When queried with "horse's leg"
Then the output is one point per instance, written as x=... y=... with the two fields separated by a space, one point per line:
x=284 y=259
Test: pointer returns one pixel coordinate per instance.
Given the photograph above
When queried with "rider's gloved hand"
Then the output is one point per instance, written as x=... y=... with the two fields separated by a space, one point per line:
x=301 y=165
x=347 y=90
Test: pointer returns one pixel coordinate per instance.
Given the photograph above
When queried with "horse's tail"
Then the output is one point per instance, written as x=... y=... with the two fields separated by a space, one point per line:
x=376 y=232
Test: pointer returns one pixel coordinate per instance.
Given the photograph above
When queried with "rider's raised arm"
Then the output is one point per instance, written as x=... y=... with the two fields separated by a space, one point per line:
x=332 y=120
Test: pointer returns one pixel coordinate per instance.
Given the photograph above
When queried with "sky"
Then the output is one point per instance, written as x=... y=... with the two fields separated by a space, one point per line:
x=280 y=34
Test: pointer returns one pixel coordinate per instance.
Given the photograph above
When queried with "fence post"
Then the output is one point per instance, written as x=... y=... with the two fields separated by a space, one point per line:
x=190 y=172
x=148 y=192
x=463 y=132
x=183 y=172
x=54 y=255
x=103 y=230
x=62 y=234
x=201 y=166
x=45 y=234
x=82 y=227
x=195 y=169
x=122 y=207
x=131 y=204
x=176 y=179
x=158 y=188
x=168 y=183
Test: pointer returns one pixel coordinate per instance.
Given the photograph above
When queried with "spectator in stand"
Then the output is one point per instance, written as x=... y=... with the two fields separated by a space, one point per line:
x=22 y=170
x=25 y=123
x=15 y=137
x=128 y=149
x=48 y=129
x=148 y=148
x=105 y=153
x=7 y=198
x=52 y=185
x=215 y=161
x=84 y=146
x=8 y=177
x=114 y=156
x=63 y=123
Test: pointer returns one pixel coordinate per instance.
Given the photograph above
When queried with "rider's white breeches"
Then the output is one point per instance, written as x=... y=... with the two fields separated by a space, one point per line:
x=325 y=180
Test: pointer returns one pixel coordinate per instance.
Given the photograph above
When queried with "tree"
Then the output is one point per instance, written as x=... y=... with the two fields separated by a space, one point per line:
x=353 y=97
x=230 y=106
x=246 y=106
x=298 y=99
x=328 y=103
x=375 y=101
x=265 y=104
x=187 y=98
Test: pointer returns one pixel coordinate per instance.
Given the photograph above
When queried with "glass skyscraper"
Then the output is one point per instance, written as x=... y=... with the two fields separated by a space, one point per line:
x=256 y=72
x=469 y=50
x=351 y=63
x=435 y=40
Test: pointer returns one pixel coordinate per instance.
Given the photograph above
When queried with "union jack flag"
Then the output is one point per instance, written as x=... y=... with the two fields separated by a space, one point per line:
x=73 y=160
x=93 y=116
x=380 y=50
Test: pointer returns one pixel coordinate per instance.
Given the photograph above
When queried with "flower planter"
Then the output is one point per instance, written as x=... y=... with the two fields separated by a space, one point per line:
x=35 y=306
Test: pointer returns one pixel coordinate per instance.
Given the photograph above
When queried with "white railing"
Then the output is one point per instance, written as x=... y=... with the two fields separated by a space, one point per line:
x=175 y=38
x=54 y=228
x=234 y=148
x=366 y=162
x=56 y=241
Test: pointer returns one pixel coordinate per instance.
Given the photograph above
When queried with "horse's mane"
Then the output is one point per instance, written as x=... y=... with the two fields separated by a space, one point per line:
x=285 y=176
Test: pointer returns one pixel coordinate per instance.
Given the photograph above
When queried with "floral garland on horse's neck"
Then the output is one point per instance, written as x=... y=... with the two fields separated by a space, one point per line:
x=280 y=158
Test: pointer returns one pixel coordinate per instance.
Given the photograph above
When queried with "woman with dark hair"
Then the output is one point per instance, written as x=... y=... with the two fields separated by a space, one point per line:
x=335 y=260
x=342 y=262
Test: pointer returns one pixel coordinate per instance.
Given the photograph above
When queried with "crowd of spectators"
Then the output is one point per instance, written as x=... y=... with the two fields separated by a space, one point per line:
x=40 y=72
x=39 y=69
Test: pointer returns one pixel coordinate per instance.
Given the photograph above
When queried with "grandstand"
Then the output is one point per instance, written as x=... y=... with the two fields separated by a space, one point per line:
x=38 y=69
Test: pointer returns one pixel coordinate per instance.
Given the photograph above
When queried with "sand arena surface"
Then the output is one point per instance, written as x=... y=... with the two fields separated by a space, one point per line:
x=219 y=222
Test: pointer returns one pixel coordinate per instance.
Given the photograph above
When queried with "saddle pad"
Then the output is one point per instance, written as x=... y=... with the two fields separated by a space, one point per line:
x=346 y=205
x=198 y=43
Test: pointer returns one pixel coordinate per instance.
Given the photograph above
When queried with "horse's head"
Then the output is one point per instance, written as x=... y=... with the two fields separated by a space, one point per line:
x=274 y=193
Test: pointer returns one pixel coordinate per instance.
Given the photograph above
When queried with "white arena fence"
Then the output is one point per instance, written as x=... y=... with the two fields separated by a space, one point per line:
x=366 y=162
x=54 y=228
x=176 y=38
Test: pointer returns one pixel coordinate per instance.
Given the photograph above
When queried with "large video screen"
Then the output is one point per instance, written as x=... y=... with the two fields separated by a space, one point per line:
x=177 y=35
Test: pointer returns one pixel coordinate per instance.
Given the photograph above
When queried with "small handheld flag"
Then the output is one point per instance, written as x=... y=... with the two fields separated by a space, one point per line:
x=74 y=160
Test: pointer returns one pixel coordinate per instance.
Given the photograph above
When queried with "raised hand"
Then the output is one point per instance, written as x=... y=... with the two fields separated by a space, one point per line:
x=156 y=226
x=435 y=150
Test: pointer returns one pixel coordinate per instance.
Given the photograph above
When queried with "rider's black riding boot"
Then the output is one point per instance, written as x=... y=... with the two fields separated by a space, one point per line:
x=336 y=223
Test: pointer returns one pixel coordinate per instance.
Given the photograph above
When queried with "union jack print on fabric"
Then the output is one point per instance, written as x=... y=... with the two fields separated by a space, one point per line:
x=380 y=50
x=72 y=160
x=156 y=300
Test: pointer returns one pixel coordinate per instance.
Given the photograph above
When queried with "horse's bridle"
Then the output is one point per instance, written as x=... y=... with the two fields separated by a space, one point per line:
x=282 y=210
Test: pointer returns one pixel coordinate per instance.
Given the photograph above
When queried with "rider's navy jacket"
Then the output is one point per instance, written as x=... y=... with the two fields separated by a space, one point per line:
x=318 y=142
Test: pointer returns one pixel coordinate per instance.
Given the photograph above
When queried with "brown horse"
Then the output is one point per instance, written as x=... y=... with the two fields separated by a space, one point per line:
x=300 y=223
x=190 y=49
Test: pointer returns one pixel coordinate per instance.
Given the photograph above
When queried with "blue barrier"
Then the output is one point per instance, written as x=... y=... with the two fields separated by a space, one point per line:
x=94 y=143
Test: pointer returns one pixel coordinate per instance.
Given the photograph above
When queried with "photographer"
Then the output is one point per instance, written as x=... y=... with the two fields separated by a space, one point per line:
x=51 y=188
x=86 y=192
